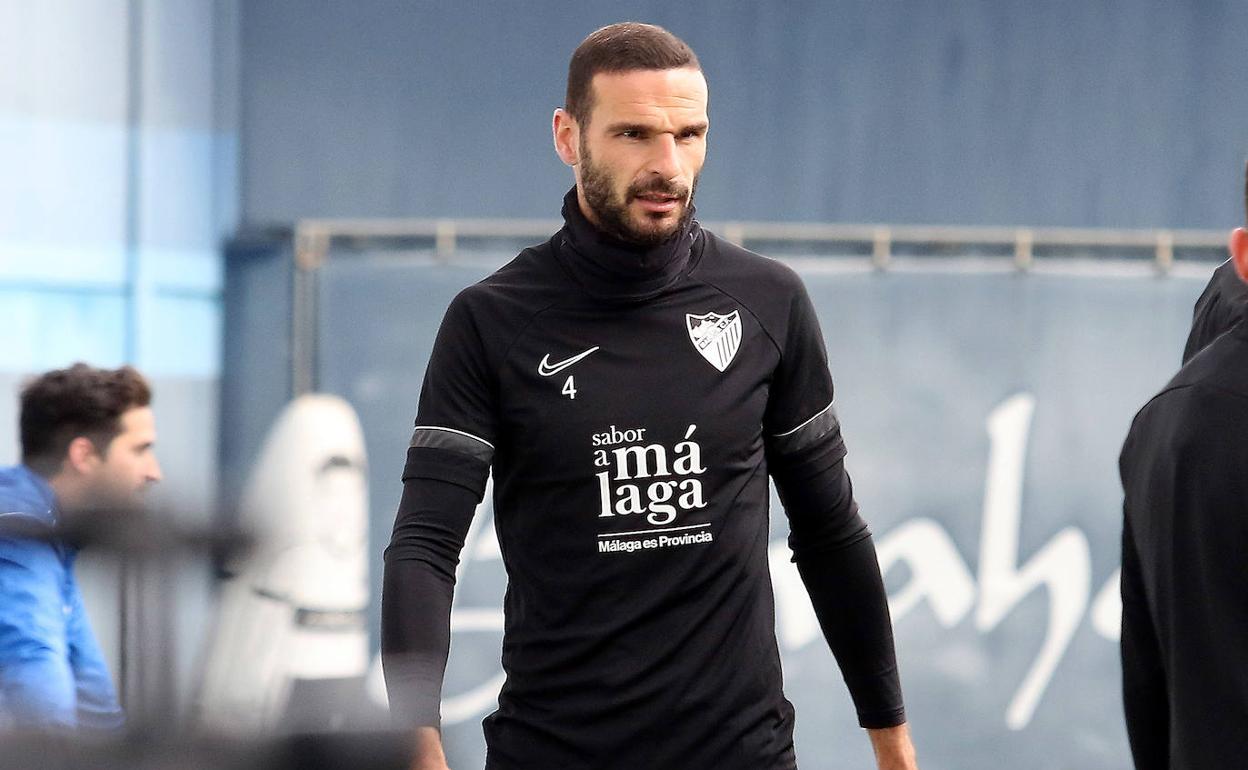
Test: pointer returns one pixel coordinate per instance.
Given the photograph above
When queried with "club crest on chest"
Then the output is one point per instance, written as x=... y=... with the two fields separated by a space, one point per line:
x=716 y=337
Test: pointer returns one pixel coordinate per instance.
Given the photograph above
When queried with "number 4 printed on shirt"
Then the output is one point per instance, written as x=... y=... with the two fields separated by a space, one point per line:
x=569 y=388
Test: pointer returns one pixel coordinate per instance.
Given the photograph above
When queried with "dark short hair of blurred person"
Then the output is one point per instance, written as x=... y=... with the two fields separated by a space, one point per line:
x=87 y=438
x=1221 y=304
x=1184 y=646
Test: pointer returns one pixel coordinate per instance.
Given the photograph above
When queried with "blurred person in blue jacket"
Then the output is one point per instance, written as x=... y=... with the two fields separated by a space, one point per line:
x=87 y=438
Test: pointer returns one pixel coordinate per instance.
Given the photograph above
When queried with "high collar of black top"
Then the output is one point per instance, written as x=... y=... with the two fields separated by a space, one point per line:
x=1242 y=324
x=609 y=268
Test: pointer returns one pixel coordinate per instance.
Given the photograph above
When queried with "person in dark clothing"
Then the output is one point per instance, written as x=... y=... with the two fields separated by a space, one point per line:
x=632 y=383
x=1184 y=645
x=1218 y=308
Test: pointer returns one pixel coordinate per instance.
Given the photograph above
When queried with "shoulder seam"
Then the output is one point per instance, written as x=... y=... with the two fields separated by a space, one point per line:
x=748 y=309
x=520 y=333
x=1185 y=386
x=709 y=282
x=1198 y=385
x=745 y=305
x=550 y=249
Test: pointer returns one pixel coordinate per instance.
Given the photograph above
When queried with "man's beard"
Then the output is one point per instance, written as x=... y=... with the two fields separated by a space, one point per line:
x=613 y=216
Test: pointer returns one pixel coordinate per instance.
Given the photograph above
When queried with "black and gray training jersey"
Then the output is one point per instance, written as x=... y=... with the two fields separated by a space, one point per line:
x=630 y=427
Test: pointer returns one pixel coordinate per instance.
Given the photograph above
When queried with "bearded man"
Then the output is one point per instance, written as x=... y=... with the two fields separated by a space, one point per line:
x=632 y=383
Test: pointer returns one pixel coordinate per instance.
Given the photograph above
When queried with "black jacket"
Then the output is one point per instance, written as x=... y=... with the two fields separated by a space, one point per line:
x=1185 y=565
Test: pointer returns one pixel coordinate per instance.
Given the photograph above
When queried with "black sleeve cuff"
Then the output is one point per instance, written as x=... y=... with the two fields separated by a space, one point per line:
x=464 y=470
x=880 y=720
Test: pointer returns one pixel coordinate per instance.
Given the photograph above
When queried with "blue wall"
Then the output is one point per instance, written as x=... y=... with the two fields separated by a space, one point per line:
x=1122 y=113
x=118 y=154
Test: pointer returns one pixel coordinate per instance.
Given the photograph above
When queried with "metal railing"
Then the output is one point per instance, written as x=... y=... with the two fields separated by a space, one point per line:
x=444 y=239
x=314 y=237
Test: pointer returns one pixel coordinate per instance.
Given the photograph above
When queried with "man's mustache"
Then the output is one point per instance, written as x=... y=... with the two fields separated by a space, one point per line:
x=661 y=187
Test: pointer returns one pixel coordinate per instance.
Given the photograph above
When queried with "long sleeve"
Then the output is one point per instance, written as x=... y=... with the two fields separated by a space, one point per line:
x=36 y=681
x=418 y=585
x=448 y=464
x=831 y=543
x=836 y=558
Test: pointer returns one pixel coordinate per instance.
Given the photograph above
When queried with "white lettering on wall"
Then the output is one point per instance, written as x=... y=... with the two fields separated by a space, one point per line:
x=1063 y=565
x=939 y=575
x=937 y=572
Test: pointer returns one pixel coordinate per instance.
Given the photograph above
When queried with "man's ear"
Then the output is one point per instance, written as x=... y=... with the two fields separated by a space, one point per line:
x=567 y=137
x=82 y=455
x=1238 y=246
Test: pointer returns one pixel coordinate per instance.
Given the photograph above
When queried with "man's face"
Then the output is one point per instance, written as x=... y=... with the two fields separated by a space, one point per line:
x=642 y=151
x=128 y=465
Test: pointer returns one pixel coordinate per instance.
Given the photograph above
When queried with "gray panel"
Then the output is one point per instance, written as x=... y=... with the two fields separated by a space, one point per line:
x=1009 y=112
x=256 y=353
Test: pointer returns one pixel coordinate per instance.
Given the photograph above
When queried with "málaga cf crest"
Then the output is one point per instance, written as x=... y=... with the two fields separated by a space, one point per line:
x=715 y=336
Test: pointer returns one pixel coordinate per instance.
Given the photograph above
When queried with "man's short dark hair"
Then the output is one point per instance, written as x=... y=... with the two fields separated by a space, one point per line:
x=61 y=405
x=622 y=47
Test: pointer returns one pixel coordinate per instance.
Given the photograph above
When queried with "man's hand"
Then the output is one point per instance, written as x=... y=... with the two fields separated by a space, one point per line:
x=427 y=746
x=893 y=749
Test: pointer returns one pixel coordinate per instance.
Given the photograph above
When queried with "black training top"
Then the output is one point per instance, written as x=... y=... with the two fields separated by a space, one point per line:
x=1184 y=582
x=631 y=406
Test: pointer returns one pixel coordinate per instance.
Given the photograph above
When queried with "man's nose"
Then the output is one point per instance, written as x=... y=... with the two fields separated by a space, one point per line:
x=665 y=158
x=153 y=473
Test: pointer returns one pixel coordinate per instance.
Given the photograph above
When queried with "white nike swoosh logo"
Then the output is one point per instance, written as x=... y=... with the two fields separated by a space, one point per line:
x=546 y=368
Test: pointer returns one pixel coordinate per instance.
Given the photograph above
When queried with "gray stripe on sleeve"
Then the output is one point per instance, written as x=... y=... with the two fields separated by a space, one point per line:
x=808 y=433
x=435 y=437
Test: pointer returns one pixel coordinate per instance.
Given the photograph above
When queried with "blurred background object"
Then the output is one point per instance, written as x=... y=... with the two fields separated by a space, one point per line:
x=294 y=609
x=296 y=751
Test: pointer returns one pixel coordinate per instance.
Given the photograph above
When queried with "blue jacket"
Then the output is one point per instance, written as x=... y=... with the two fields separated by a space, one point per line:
x=52 y=673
